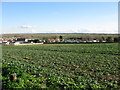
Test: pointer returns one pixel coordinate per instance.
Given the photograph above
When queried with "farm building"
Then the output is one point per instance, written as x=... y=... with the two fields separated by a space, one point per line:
x=73 y=40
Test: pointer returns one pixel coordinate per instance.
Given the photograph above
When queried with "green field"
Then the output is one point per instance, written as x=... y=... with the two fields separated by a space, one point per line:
x=61 y=66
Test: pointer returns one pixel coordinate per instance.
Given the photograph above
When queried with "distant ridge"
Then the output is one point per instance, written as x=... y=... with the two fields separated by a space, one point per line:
x=65 y=33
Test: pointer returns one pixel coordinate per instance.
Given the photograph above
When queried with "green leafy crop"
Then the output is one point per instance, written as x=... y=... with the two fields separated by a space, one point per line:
x=61 y=66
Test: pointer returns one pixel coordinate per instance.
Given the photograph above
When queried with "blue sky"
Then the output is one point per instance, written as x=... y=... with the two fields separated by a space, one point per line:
x=59 y=17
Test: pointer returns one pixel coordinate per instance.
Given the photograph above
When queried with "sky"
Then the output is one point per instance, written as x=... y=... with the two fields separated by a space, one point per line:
x=59 y=17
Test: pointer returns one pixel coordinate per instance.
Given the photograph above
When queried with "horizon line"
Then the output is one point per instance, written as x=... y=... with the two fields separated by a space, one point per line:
x=59 y=33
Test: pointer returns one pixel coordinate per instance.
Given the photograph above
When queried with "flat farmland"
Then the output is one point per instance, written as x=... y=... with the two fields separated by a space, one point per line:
x=61 y=66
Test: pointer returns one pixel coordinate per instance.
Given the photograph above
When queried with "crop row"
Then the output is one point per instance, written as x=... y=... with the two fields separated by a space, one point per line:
x=63 y=66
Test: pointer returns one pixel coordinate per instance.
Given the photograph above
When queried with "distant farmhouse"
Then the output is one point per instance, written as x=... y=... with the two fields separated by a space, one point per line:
x=54 y=39
x=20 y=41
x=81 y=40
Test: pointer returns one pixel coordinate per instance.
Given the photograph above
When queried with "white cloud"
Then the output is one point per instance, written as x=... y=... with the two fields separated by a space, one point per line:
x=106 y=28
x=100 y=29
x=25 y=26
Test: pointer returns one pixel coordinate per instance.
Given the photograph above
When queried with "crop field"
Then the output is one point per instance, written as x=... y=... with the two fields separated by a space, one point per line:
x=61 y=66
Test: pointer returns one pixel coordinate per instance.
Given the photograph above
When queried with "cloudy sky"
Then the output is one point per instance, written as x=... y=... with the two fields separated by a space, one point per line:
x=59 y=17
